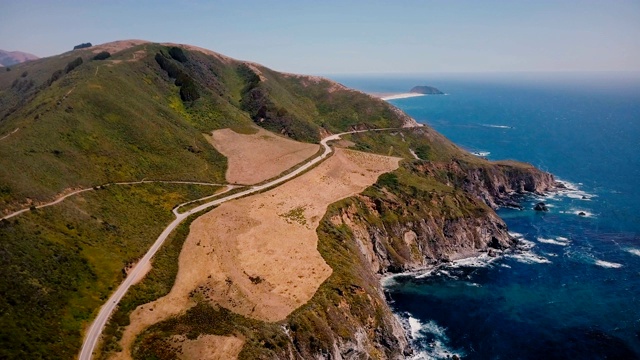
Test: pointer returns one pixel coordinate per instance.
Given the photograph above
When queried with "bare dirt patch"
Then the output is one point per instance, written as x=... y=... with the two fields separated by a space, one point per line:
x=117 y=46
x=258 y=256
x=208 y=347
x=258 y=157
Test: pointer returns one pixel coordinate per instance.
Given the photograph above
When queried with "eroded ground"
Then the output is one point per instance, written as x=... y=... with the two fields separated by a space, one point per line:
x=258 y=157
x=258 y=256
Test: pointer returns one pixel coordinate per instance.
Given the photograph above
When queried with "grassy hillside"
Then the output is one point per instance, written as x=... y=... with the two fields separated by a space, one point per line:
x=59 y=264
x=72 y=120
x=136 y=112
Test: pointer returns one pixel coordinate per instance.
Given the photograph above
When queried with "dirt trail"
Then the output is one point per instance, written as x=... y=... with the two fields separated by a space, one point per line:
x=258 y=256
x=9 y=134
x=258 y=157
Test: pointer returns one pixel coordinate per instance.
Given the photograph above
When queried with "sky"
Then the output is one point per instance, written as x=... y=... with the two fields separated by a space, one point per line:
x=350 y=37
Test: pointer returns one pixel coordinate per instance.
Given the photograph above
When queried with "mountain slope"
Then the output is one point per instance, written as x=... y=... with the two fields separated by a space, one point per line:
x=10 y=58
x=124 y=119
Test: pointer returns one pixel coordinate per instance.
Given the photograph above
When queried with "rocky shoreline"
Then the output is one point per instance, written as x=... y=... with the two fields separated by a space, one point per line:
x=432 y=230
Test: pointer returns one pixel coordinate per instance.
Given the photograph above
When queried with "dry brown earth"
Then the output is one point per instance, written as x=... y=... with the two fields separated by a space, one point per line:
x=208 y=347
x=258 y=256
x=258 y=157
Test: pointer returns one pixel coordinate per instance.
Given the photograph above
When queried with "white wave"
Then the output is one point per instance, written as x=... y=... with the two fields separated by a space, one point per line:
x=583 y=213
x=481 y=260
x=390 y=280
x=524 y=244
x=498 y=126
x=481 y=153
x=530 y=258
x=634 y=251
x=607 y=264
x=437 y=348
x=426 y=273
x=557 y=241
x=573 y=191
x=515 y=235
x=562 y=238
x=415 y=326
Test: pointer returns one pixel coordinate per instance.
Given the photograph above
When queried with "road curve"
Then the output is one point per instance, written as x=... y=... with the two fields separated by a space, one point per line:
x=94 y=332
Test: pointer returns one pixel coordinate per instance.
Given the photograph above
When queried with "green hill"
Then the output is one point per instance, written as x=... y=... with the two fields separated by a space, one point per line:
x=126 y=111
x=141 y=113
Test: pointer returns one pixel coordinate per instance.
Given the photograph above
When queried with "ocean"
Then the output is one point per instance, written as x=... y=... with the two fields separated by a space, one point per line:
x=574 y=293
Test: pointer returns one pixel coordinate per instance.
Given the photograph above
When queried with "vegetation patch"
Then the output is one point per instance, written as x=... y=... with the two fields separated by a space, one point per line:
x=295 y=215
x=103 y=55
x=62 y=262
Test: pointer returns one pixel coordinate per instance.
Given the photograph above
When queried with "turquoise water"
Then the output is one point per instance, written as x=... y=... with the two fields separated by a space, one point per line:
x=574 y=290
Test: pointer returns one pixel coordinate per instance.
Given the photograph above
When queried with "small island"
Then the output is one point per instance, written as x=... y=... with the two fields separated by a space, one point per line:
x=415 y=91
x=425 y=90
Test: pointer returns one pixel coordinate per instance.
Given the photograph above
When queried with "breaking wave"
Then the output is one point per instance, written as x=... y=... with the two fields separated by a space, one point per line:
x=431 y=340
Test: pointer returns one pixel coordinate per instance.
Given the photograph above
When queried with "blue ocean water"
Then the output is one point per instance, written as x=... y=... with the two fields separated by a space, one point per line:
x=574 y=290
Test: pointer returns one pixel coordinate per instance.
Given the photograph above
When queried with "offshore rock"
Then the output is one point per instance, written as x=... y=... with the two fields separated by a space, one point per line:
x=541 y=207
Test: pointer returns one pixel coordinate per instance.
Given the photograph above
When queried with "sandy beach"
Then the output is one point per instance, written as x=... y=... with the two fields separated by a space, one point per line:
x=397 y=96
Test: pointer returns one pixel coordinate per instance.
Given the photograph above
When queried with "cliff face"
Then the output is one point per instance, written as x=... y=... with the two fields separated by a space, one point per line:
x=420 y=215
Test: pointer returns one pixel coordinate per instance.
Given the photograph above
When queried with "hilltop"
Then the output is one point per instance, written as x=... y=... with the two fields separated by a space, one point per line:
x=9 y=58
x=291 y=272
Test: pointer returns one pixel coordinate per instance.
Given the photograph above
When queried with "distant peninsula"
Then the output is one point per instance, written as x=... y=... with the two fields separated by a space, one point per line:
x=426 y=90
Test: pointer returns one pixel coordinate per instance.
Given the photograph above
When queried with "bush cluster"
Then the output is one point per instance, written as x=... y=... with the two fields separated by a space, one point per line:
x=73 y=64
x=102 y=55
x=188 y=88
x=82 y=46
x=178 y=54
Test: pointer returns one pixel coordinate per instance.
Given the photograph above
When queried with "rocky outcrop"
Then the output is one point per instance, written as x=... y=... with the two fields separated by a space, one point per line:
x=541 y=207
x=501 y=184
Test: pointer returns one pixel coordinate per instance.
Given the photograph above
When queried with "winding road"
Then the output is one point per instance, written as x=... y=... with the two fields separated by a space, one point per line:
x=94 y=332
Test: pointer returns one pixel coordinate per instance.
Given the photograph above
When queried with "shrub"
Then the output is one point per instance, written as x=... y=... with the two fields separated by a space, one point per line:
x=24 y=74
x=8 y=69
x=82 y=46
x=188 y=88
x=73 y=64
x=188 y=91
x=168 y=66
x=388 y=180
x=178 y=54
x=102 y=55
x=55 y=76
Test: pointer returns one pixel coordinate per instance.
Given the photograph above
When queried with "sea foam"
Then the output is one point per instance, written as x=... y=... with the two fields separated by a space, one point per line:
x=530 y=258
x=607 y=264
x=497 y=126
x=634 y=251
x=557 y=241
x=431 y=340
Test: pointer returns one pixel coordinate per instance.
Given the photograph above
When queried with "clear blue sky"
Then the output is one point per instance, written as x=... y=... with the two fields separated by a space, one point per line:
x=331 y=37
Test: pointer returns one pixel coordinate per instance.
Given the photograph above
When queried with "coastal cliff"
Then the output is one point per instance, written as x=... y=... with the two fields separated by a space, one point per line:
x=421 y=215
